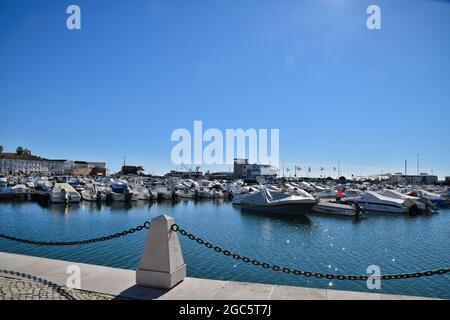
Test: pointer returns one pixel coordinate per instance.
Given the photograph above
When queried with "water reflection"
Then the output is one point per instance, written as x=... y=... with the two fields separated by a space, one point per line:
x=63 y=208
x=292 y=220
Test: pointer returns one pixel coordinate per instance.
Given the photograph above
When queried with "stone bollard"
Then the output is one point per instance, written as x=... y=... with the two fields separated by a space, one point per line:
x=162 y=264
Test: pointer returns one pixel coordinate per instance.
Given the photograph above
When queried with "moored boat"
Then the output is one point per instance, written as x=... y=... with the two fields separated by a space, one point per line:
x=64 y=193
x=278 y=203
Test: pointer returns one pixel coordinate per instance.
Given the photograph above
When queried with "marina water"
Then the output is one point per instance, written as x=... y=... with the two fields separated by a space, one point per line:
x=396 y=243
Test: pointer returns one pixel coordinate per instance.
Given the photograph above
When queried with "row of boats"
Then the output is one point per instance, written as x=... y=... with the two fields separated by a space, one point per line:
x=277 y=197
x=291 y=199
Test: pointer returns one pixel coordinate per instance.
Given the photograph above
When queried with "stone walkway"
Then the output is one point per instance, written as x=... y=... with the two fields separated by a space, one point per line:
x=40 y=278
x=18 y=288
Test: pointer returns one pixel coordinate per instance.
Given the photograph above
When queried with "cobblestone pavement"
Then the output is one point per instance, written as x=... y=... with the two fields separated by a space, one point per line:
x=15 y=288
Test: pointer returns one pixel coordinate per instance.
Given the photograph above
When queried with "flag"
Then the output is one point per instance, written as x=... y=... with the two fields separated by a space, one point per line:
x=287 y=170
x=334 y=168
x=321 y=169
x=298 y=168
x=309 y=169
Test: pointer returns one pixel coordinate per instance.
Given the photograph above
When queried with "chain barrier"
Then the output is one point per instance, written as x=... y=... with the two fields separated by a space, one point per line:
x=297 y=272
x=236 y=256
x=146 y=225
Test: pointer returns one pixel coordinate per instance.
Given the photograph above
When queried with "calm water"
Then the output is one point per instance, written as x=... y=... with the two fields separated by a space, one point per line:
x=316 y=243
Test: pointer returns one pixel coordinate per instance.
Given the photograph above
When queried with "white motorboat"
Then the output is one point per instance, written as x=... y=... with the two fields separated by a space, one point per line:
x=186 y=193
x=64 y=193
x=94 y=193
x=340 y=209
x=202 y=192
x=163 y=192
x=44 y=184
x=372 y=201
x=436 y=199
x=140 y=192
x=280 y=203
x=421 y=205
x=19 y=188
x=238 y=197
x=3 y=182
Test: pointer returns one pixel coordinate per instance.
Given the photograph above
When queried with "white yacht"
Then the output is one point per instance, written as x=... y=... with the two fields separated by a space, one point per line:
x=372 y=201
x=339 y=209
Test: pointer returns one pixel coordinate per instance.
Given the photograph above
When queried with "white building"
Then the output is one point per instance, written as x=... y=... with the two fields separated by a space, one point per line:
x=243 y=169
x=423 y=178
x=26 y=163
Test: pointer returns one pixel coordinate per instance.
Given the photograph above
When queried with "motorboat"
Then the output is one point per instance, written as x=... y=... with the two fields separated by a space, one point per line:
x=3 y=181
x=19 y=188
x=64 y=193
x=280 y=203
x=340 y=209
x=140 y=192
x=436 y=199
x=185 y=193
x=372 y=201
x=120 y=192
x=238 y=198
x=44 y=184
x=93 y=193
x=202 y=192
x=421 y=205
x=163 y=192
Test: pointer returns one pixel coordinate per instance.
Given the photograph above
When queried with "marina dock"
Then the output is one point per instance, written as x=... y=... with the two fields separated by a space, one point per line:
x=114 y=283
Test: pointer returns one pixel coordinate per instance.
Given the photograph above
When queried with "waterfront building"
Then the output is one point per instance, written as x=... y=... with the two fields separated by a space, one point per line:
x=422 y=178
x=245 y=170
x=26 y=163
x=184 y=174
x=85 y=168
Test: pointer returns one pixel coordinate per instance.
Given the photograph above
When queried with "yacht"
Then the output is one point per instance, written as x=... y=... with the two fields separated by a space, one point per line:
x=334 y=208
x=279 y=203
x=372 y=201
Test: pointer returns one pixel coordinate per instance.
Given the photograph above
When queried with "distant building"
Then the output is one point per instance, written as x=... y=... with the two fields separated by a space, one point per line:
x=244 y=170
x=26 y=163
x=447 y=181
x=85 y=168
x=422 y=178
x=220 y=175
x=184 y=174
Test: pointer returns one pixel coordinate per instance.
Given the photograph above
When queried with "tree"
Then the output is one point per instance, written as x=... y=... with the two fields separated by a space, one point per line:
x=1 y=149
x=19 y=150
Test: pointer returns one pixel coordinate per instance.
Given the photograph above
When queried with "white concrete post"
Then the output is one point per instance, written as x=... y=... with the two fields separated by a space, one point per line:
x=162 y=264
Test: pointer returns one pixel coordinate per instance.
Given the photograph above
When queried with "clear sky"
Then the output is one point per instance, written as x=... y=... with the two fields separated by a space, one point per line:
x=139 y=69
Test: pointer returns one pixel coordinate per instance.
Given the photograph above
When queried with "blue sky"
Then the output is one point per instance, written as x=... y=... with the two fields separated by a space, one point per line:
x=140 y=69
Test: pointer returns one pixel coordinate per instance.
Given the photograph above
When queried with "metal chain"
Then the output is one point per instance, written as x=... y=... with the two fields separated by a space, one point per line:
x=146 y=225
x=297 y=272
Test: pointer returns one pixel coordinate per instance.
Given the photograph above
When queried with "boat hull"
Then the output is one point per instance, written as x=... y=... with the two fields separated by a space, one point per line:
x=285 y=209
x=380 y=207
x=334 y=210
